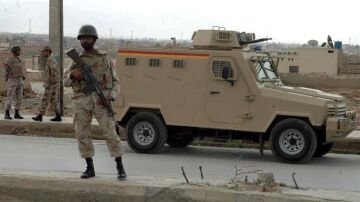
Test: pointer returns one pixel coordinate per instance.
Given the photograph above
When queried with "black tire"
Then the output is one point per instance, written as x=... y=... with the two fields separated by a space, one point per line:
x=146 y=133
x=293 y=141
x=179 y=140
x=321 y=150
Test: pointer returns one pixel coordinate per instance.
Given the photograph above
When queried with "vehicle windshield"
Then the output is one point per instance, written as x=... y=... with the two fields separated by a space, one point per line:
x=264 y=69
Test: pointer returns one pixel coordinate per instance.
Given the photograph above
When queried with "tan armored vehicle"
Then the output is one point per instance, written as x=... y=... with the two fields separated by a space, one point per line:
x=217 y=88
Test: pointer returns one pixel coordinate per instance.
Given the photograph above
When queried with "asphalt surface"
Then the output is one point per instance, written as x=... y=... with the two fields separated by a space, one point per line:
x=334 y=171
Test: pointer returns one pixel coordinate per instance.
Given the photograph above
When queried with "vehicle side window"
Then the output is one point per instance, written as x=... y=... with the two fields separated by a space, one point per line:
x=179 y=64
x=218 y=65
x=260 y=73
x=154 y=62
x=130 y=61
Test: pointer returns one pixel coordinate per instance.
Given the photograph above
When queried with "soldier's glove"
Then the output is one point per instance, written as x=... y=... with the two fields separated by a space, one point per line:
x=76 y=75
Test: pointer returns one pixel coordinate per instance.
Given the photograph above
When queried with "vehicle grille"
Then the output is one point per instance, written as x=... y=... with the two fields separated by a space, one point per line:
x=337 y=110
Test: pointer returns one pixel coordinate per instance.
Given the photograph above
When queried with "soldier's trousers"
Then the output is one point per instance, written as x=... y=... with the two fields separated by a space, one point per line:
x=51 y=95
x=15 y=88
x=85 y=108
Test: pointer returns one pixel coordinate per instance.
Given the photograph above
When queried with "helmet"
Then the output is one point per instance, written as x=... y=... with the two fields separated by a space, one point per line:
x=46 y=48
x=15 y=49
x=87 y=30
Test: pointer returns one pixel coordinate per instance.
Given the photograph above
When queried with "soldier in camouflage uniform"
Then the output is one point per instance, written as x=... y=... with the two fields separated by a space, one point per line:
x=51 y=85
x=14 y=76
x=88 y=105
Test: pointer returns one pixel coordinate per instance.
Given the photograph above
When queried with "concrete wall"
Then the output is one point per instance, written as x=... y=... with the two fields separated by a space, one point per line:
x=353 y=59
x=318 y=67
x=317 y=80
x=310 y=60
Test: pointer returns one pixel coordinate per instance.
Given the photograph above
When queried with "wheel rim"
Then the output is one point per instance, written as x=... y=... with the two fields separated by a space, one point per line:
x=144 y=133
x=291 y=142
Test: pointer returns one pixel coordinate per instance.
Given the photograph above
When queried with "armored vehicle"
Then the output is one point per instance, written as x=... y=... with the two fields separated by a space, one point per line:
x=221 y=88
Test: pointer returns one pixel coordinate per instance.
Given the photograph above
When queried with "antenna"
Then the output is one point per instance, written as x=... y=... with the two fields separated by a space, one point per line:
x=110 y=33
x=313 y=43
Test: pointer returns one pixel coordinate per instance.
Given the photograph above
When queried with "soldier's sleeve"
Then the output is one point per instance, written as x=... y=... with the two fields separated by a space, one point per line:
x=53 y=68
x=46 y=73
x=115 y=91
x=24 y=67
x=67 y=80
x=6 y=63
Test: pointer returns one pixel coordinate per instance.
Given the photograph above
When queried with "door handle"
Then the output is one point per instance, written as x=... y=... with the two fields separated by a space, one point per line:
x=214 y=92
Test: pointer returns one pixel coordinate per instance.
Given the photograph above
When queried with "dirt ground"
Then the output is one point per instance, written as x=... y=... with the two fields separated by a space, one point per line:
x=32 y=101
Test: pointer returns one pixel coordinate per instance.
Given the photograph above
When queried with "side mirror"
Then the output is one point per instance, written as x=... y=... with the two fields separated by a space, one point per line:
x=225 y=73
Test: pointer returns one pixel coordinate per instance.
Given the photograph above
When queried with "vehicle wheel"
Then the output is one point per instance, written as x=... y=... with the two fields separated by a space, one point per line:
x=321 y=150
x=179 y=140
x=293 y=141
x=146 y=133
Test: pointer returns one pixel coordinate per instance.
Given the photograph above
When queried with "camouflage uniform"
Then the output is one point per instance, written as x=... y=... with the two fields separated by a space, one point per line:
x=86 y=106
x=15 y=70
x=51 y=85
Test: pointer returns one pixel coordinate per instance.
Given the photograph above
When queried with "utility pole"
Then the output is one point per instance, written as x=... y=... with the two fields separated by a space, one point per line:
x=29 y=25
x=56 y=39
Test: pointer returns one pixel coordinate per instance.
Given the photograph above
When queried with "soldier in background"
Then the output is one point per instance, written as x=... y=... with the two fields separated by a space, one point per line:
x=51 y=85
x=88 y=105
x=14 y=77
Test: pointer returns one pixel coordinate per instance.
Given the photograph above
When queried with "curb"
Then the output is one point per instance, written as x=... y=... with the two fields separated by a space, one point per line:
x=67 y=187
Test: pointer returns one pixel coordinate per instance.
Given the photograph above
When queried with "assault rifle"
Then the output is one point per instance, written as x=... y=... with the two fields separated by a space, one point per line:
x=91 y=83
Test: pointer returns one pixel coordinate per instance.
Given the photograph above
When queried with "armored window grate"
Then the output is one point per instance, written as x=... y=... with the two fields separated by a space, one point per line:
x=130 y=61
x=293 y=69
x=218 y=67
x=154 y=62
x=224 y=36
x=178 y=64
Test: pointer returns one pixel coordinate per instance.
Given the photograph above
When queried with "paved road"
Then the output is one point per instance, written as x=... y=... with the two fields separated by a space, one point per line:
x=334 y=171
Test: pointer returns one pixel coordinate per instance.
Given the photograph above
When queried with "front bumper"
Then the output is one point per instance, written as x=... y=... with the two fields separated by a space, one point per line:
x=338 y=128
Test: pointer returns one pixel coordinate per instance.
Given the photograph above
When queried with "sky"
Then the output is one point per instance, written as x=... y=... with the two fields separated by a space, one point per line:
x=290 y=21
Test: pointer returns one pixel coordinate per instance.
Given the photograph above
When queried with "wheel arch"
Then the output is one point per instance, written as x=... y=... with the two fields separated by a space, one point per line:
x=133 y=110
x=279 y=118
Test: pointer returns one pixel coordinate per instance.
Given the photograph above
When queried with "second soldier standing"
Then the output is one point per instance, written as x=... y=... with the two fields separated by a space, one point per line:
x=51 y=85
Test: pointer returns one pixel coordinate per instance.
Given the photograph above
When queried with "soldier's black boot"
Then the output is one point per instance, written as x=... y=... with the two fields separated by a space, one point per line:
x=90 y=171
x=120 y=168
x=57 y=117
x=17 y=115
x=7 y=115
x=37 y=118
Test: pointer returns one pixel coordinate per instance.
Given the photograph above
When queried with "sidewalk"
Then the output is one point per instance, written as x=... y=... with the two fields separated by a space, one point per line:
x=27 y=126
x=66 y=186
